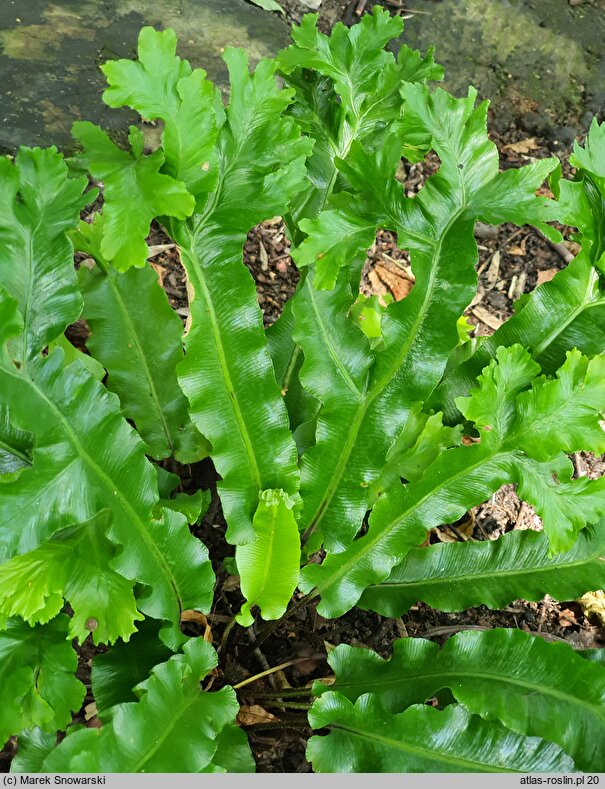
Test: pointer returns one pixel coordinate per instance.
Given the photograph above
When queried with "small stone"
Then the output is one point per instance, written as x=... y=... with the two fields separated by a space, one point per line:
x=314 y=5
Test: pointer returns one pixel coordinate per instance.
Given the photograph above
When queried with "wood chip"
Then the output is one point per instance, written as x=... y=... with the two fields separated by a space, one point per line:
x=159 y=248
x=493 y=270
x=264 y=258
x=487 y=318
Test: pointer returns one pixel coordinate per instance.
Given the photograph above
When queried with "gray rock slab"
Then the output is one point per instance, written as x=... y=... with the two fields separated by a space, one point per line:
x=541 y=62
x=50 y=53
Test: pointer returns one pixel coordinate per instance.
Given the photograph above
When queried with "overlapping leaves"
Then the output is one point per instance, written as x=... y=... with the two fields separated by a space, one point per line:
x=531 y=686
x=515 y=439
x=174 y=727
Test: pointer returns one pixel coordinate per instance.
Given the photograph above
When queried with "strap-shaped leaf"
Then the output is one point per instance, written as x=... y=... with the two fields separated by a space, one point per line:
x=324 y=331
x=38 y=203
x=347 y=88
x=365 y=738
x=567 y=312
x=465 y=476
x=460 y=575
x=134 y=192
x=37 y=682
x=73 y=566
x=532 y=686
x=261 y=165
x=172 y=728
x=141 y=364
x=159 y=85
x=420 y=331
x=260 y=159
x=269 y=565
x=86 y=459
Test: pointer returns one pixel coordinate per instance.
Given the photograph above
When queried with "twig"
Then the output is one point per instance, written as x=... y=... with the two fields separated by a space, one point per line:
x=560 y=249
x=269 y=671
x=360 y=7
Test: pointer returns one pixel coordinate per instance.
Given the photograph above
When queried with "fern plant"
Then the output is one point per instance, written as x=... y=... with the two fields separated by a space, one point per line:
x=340 y=409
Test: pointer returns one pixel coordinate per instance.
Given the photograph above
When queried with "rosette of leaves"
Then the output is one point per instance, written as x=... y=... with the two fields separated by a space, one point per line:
x=310 y=425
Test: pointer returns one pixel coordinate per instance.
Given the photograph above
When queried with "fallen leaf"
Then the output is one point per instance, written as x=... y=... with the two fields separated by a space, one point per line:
x=264 y=258
x=567 y=618
x=160 y=271
x=90 y=710
x=156 y=249
x=522 y=146
x=199 y=619
x=248 y=716
x=593 y=604
x=545 y=276
x=384 y=280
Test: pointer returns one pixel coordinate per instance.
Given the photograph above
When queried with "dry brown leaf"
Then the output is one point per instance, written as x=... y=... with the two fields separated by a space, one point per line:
x=160 y=271
x=248 y=716
x=487 y=318
x=567 y=618
x=386 y=280
x=522 y=146
x=90 y=710
x=593 y=604
x=545 y=276
x=199 y=619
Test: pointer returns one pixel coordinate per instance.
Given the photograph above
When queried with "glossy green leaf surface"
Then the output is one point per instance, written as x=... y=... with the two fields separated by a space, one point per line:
x=141 y=364
x=37 y=682
x=73 y=566
x=269 y=566
x=365 y=738
x=456 y=576
x=134 y=192
x=420 y=331
x=87 y=459
x=15 y=447
x=172 y=705
x=34 y=745
x=118 y=671
x=504 y=409
x=38 y=203
x=160 y=85
x=532 y=686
